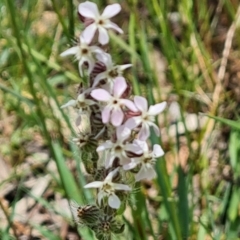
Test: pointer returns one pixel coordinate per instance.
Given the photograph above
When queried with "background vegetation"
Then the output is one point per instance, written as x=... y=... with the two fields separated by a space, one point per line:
x=185 y=52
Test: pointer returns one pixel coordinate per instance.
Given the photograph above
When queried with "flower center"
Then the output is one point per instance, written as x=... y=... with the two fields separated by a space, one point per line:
x=115 y=101
x=107 y=188
x=113 y=73
x=100 y=22
x=81 y=104
x=118 y=148
x=147 y=160
x=84 y=51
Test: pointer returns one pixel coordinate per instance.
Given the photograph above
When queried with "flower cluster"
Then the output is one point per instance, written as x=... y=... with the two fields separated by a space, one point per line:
x=114 y=126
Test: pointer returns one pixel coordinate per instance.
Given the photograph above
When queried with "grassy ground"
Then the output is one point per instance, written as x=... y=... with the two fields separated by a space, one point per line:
x=185 y=52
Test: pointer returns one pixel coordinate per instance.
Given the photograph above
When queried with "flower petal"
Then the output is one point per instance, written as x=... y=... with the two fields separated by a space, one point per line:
x=70 y=51
x=155 y=128
x=96 y=184
x=80 y=63
x=101 y=95
x=114 y=201
x=145 y=173
x=120 y=86
x=125 y=66
x=88 y=9
x=129 y=104
x=119 y=186
x=99 y=77
x=103 y=37
x=105 y=58
x=89 y=32
x=104 y=146
x=117 y=117
x=133 y=122
x=113 y=26
x=124 y=160
x=111 y=10
x=157 y=151
x=129 y=166
x=106 y=114
x=142 y=144
x=91 y=64
x=123 y=133
x=141 y=103
x=144 y=133
x=133 y=148
x=157 y=108
x=100 y=196
x=71 y=103
x=111 y=175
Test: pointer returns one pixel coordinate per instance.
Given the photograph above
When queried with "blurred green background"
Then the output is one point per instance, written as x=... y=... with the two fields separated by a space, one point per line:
x=185 y=52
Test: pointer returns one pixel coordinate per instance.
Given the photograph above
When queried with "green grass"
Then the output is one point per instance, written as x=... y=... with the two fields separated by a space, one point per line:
x=196 y=194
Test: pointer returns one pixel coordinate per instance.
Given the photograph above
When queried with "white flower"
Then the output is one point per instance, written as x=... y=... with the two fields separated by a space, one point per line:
x=147 y=161
x=83 y=53
x=107 y=189
x=112 y=71
x=81 y=103
x=100 y=22
x=147 y=117
x=115 y=103
x=119 y=148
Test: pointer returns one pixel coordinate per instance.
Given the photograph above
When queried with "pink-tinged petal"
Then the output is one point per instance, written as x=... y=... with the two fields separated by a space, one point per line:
x=129 y=104
x=120 y=86
x=111 y=175
x=106 y=114
x=144 y=133
x=145 y=173
x=157 y=151
x=129 y=166
x=142 y=144
x=113 y=26
x=114 y=201
x=155 y=128
x=119 y=186
x=103 y=37
x=123 y=133
x=88 y=9
x=89 y=32
x=133 y=148
x=125 y=66
x=157 y=108
x=101 y=95
x=124 y=160
x=105 y=58
x=70 y=51
x=141 y=103
x=117 y=117
x=96 y=184
x=138 y=160
x=104 y=146
x=96 y=50
x=71 y=103
x=111 y=10
x=133 y=122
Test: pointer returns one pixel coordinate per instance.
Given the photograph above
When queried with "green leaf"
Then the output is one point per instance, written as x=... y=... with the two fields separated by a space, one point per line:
x=231 y=123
